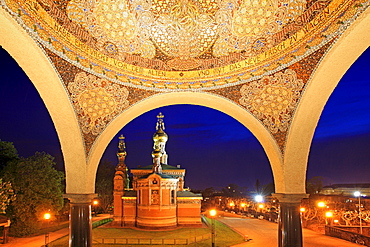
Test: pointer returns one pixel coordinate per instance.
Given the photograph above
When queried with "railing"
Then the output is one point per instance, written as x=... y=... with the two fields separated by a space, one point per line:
x=148 y=241
x=347 y=235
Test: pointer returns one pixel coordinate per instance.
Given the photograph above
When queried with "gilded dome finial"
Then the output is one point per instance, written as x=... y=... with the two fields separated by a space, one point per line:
x=160 y=122
x=121 y=145
x=160 y=138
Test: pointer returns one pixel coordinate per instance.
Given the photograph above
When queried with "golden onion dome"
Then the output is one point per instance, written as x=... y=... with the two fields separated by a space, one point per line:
x=160 y=136
x=156 y=153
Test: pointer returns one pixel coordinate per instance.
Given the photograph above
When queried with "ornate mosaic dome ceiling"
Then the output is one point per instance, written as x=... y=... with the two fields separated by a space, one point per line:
x=182 y=44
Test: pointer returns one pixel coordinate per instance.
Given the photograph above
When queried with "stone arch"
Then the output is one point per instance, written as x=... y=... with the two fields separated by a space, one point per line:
x=40 y=71
x=354 y=41
x=289 y=173
x=194 y=98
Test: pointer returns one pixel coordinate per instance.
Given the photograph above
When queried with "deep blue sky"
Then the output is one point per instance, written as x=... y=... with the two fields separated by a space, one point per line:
x=215 y=149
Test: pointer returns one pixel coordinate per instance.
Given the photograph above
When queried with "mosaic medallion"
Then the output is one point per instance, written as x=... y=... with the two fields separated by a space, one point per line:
x=96 y=101
x=273 y=98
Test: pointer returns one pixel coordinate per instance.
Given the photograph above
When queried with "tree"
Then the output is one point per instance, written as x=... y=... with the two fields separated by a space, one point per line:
x=104 y=184
x=234 y=190
x=314 y=185
x=38 y=188
x=6 y=195
x=7 y=153
x=208 y=192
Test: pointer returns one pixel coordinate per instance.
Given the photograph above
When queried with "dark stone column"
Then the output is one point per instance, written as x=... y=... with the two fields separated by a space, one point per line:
x=290 y=228
x=80 y=224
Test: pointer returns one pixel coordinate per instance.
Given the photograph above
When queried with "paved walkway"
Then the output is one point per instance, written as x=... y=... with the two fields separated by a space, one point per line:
x=264 y=233
x=38 y=241
x=260 y=233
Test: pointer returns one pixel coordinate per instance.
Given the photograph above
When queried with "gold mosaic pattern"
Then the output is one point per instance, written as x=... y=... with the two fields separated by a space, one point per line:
x=296 y=30
x=182 y=30
x=220 y=66
x=96 y=101
x=68 y=73
x=272 y=98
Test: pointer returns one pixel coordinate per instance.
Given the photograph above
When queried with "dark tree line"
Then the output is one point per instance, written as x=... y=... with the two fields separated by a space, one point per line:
x=32 y=186
x=37 y=187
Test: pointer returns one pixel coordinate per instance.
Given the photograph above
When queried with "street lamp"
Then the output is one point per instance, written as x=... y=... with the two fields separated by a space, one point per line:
x=95 y=204
x=213 y=213
x=328 y=216
x=321 y=204
x=358 y=194
x=258 y=198
x=47 y=217
x=242 y=205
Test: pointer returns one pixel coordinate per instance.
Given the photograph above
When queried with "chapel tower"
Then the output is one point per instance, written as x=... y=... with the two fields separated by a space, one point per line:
x=121 y=180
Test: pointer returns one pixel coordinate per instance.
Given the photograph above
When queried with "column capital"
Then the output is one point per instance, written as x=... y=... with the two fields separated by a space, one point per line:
x=290 y=198
x=80 y=198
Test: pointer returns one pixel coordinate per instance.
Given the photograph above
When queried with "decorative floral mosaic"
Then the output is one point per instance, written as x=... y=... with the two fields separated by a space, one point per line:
x=110 y=53
x=183 y=33
x=96 y=101
x=272 y=99
x=302 y=70
x=193 y=45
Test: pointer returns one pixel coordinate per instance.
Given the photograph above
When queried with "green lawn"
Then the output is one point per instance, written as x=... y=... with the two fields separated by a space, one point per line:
x=224 y=236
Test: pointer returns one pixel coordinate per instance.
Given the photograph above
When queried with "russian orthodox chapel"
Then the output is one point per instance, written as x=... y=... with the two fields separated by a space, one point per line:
x=157 y=198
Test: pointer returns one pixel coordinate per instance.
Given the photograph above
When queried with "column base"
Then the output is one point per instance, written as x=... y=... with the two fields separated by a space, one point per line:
x=80 y=224
x=290 y=228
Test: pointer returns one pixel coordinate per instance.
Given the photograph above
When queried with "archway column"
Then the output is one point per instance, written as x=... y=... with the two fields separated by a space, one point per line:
x=80 y=224
x=290 y=227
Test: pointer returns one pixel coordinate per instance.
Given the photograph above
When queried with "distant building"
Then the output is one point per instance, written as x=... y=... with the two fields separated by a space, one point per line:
x=157 y=198
x=346 y=189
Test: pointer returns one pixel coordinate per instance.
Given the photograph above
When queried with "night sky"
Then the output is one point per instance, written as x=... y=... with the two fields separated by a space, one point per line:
x=215 y=149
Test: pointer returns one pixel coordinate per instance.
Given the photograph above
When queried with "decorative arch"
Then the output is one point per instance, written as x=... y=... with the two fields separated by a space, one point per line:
x=195 y=98
x=334 y=65
x=41 y=72
x=289 y=172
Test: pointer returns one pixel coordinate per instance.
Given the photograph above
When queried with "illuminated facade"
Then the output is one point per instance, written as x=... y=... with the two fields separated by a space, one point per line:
x=345 y=189
x=158 y=198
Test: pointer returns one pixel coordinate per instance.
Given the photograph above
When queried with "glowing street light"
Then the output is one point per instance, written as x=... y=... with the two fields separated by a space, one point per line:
x=95 y=204
x=302 y=210
x=321 y=204
x=258 y=198
x=358 y=194
x=47 y=217
x=328 y=216
x=213 y=213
